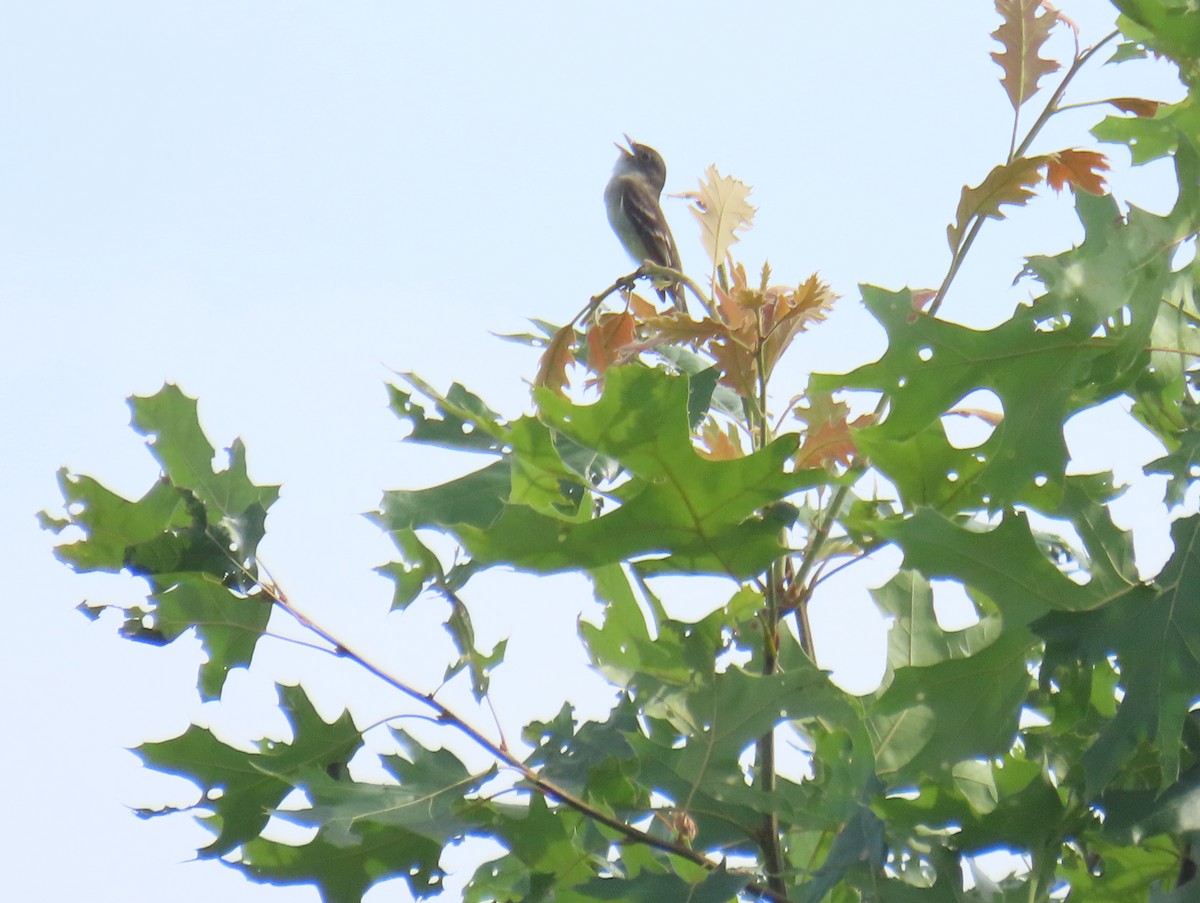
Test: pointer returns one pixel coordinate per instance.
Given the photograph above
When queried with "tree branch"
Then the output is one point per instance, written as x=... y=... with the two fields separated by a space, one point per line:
x=445 y=715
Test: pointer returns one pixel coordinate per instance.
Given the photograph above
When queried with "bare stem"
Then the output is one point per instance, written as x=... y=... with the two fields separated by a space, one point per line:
x=772 y=851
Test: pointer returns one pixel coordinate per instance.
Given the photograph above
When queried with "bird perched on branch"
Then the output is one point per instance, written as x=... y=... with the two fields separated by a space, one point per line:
x=635 y=214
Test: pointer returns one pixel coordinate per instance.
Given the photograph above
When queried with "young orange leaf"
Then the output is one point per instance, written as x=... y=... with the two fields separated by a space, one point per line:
x=608 y=341
x=722 y=211
x=738 y=302
x=739 y=366
x=641 y=308
x=552 y=368
x=1011 y=183
x=1023 y=33
x=827 y=440
x=718 y=444
x=1077 y=168
x=790 y=311
x=991 y=418
x=1062 y=17
x=922 y=298
x=1138 y=106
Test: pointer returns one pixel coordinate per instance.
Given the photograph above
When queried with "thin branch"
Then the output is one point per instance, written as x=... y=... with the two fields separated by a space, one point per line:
x=1049 y=110
x=768 y=840
x=627 y=282
x=446 y=716
x=1051 y=107
x=956 y=262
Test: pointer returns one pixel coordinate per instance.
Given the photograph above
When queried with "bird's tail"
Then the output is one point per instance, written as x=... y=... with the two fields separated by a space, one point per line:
x=674 y=293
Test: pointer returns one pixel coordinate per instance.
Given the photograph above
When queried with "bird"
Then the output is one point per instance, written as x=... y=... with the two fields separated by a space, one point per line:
x=632 y=201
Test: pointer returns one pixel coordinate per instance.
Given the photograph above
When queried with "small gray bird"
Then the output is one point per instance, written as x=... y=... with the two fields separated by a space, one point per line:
x=635 y=214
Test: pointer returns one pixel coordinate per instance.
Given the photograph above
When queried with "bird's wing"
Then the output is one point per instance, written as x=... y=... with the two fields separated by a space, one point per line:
x=646 y=217
x=651 y=230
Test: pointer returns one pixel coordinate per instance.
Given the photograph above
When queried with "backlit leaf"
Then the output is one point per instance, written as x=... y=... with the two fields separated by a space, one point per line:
x=1077 y=168
x=1023 y=33
x=721 y=209
x=242 y=787
x=1010 y=183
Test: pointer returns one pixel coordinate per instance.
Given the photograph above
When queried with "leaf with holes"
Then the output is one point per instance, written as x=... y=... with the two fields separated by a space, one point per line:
x=1153 y=633
x=243 y=787
x=678 y=512
x=933 y=717
x=1065 y=353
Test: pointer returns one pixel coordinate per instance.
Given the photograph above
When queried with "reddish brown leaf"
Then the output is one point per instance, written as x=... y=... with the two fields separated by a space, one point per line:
x=1023 y=32
x=922 y=298
x=738 y=363
x=1064 y=18
x=1138 y=106
x=720 y=444
x=641 y=308
x=827 y=440
x=608 y=341
x=789 y=311
x=1010 y=183
x=1077 y=168
x=737 y=304
x=992 y=418
x=552 y=368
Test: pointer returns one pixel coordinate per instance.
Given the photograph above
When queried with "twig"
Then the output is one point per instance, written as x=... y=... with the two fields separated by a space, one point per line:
x=446 y=716
x=627 y=282
x=1049 y=110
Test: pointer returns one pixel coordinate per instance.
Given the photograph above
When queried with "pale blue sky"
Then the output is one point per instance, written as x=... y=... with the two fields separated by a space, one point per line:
x=271 y=203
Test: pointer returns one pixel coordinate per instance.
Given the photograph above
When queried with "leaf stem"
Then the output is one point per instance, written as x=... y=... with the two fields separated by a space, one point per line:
x=1052 y=107
x=839 y=499
x=772 y=852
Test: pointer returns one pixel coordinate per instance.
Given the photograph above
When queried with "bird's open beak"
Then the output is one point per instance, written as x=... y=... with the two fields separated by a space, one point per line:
x=628 y=152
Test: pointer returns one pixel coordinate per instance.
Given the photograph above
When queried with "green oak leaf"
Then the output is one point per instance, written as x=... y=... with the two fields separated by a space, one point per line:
x=553 y=844
x=171 y=425
x=1066 y=352
x=541 y=478
x=692 y=753
x=417 y=569
x=1131 y=815
x=243 y=787
x=1019 y=807
x=112 y=524
x=939 y=715
x=1152 y=138
x=1004 y=563
x=1171 y=27
x=464 y=420
x=1155 y=634
x=718 y=886
x=193 y=536
x=499 y=881
x=343 y=873
x=915 y=640
x=678 y=513
x=593 y=760
x=428 y=808
x=229 y=624
x=1114 y=873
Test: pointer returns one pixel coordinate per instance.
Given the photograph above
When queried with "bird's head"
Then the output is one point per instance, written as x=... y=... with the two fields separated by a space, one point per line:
x=642 y=159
